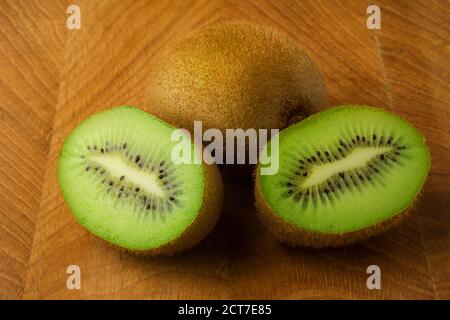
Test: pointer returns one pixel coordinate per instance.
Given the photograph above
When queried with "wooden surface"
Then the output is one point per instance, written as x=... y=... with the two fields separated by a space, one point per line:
x=52 y=77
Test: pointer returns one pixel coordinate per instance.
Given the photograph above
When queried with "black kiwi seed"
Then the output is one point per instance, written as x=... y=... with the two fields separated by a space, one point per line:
x=374 y=137
x=148 y=207
x=160 y=176
x=171 y=198
x=111 y=183
x=137 y=189
x=318 y=153
x=87 y=168
x=341 y=174
x=326 y=153
x=309 y=160
x=161 y=171
x=389 y=141
x=290 y=191
x=121 y=178
x=102 y=172
x=125 y=145
x=89 y=147
x=289 y=184
x=161 y=163
x=102 y=150
x=314 y=158
x=358 y=137
x=301 y=161
x=305 y=174
x=382 y=156
x=364 y=139
x=138 y=157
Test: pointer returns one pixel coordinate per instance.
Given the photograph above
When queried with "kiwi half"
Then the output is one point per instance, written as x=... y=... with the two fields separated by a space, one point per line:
x=235 y=75
x=345 y=174
x=117 y=177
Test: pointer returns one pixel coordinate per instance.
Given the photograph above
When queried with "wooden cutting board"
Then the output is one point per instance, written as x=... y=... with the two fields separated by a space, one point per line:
x=52 y=77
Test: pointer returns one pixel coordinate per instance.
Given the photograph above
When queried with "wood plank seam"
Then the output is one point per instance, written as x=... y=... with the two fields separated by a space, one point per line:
x=47 y=163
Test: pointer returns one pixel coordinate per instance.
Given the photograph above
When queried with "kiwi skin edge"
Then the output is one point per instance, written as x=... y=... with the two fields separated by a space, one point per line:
x=295 y=236
x=204 y=222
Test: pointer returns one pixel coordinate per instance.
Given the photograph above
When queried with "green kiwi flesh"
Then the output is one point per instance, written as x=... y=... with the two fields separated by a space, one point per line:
x=341 y=171
x=116 y=175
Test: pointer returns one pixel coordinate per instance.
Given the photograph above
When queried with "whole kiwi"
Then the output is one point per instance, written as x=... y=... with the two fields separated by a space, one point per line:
x=235 y=75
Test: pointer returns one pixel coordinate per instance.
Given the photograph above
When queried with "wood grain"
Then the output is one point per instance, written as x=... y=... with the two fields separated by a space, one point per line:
x=31 y=58
x=105 y=67
x=404 y=67
x=419 y=89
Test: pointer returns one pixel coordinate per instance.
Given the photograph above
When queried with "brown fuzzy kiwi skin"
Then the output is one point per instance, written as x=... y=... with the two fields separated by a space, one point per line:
x=234 y=75
x=204 y=222
x=298 y=237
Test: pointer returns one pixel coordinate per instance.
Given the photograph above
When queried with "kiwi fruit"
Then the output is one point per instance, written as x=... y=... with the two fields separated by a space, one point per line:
x=118 y=178
x=345 y=174
x=234 y=75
